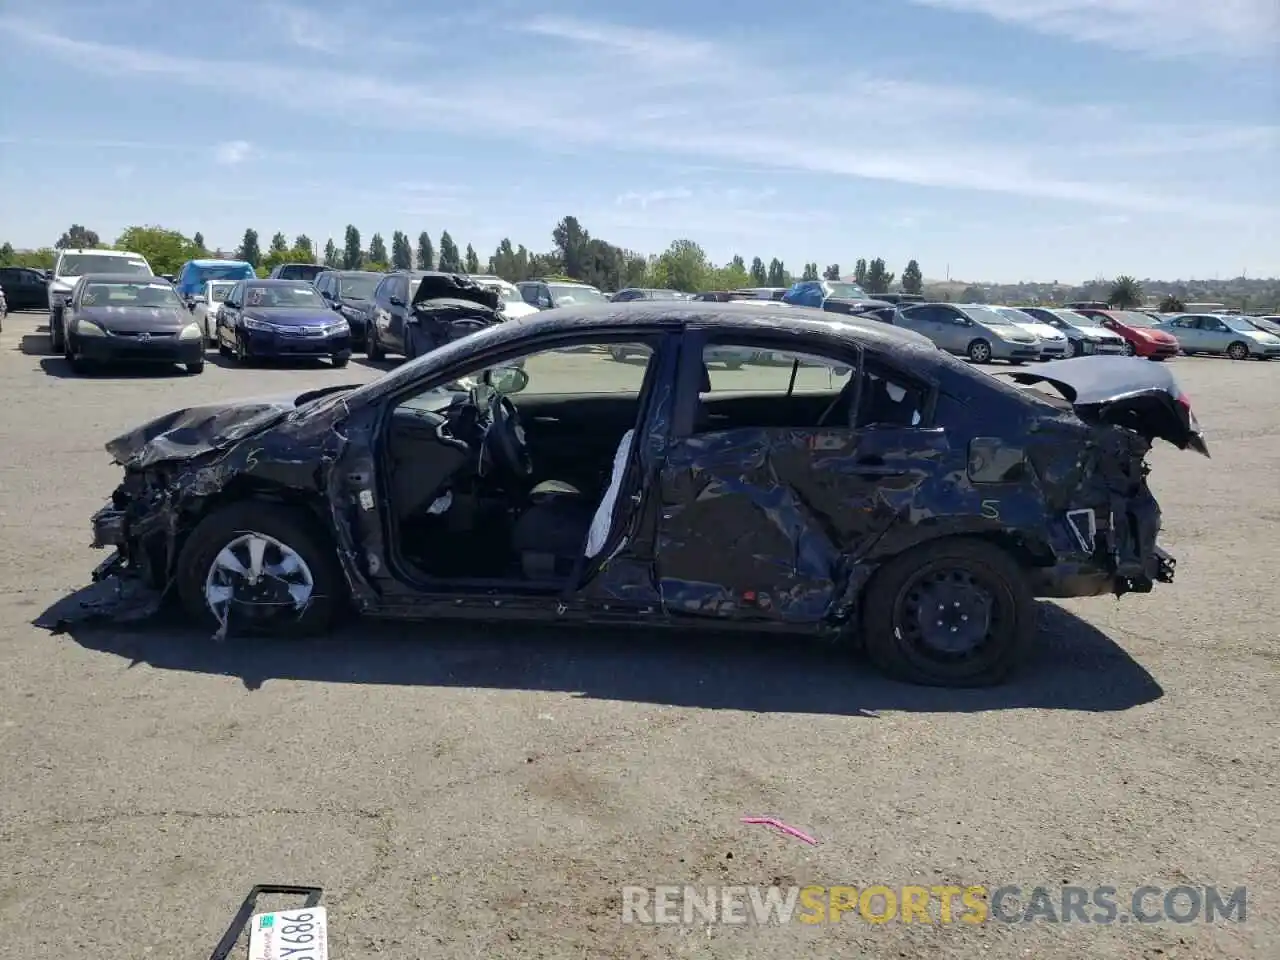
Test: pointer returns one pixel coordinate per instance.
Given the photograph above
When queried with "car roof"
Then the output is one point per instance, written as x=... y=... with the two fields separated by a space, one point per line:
x=215 y=262
x=122 y=278
x=106 y=252
x=642 y=316
x=275 y=282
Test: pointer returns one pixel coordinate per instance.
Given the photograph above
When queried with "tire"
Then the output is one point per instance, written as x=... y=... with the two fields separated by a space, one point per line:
x=286 y=525
x=888 y=623
x=241 y=352
x=411 y=343
x=373 y=349
x=1238 y=350
x=339 y=362
x=195 y=368
x=79 y=366
x=57 y=338
x=1129 y=349
x=979 y=351
x=1072 y=350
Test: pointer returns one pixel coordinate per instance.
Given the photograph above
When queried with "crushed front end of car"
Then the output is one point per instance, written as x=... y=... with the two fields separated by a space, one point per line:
x=1103 y=520
x=175 y=466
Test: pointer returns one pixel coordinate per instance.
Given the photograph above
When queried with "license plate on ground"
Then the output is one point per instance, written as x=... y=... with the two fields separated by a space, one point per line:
x=301 y=934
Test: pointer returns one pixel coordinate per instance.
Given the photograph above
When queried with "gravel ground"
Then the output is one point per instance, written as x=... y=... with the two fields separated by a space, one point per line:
x=465 y=794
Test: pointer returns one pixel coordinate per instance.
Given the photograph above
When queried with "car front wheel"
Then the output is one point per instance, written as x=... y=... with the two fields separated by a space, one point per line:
x=979 y=351
x=956 y=612
x=262 y=567
x=1238 y=351
x=1129 y=349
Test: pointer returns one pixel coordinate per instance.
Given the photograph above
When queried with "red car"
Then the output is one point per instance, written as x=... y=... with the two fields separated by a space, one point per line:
x=1140 y=337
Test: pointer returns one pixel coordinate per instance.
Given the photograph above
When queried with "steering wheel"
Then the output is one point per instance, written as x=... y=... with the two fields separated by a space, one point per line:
x=504 y=441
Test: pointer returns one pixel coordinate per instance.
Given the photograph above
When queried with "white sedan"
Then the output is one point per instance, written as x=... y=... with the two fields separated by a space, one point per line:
x=204 y=309
x=1053 y=342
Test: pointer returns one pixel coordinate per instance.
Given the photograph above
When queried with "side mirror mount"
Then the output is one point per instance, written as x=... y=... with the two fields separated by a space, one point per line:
x=507 y=380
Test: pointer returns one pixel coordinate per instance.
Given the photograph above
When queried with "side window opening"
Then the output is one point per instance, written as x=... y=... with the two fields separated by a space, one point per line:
x=890 y=398
x=746 y=385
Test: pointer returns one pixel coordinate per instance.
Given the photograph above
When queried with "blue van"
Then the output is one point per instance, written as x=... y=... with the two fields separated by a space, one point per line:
x=196 y=273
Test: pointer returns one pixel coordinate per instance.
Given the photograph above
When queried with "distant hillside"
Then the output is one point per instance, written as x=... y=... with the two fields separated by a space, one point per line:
x=1240 y=293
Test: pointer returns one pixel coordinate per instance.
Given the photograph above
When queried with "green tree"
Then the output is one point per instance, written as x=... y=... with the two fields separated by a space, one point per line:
x=912 y=278
x=249 y=250
x=198 y=240
x=570 y=246
x=401 y=252
x=450 y=259
x=41 y=259
x=165 y=250
x=331 y=258
x=860 y=272
x=973 y=294
x=682 y=266
x=778 y=276
x=759 y=276
x=278 y=244
x=78 y=238
x=472 y=261
x=1171 y=304
x=6 y=253
x=810 y=272
x=1126 y=293
x=878 y=278
x=732 y=276
x=352 y=252
x=503 y=262
x=832 y=272
x=378 y=249
x=305 y=248
x=426 y=255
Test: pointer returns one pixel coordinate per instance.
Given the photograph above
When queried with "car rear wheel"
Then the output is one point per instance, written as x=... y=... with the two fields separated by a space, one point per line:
x=1238 y=351
x=195 y=368
x=979 y=351
x=957 y=612
x=57 y=339
x=372 y=347
x=260 y=566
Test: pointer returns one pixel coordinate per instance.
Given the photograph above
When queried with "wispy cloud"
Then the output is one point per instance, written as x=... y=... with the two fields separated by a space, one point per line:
x=304 y=28
x=650 y=197
x=1165 y=28
x=233 y=152
x=599 y=87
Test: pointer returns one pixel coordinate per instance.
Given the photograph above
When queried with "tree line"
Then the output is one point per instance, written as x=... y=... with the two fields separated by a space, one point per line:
x=574 y=253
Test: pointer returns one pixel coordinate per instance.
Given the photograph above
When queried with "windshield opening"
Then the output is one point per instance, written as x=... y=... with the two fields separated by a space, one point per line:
x=78 y=264
x=846 y=291
x=986 y=315
x=129 y=295
x=359 y=288
x=283 y=296
x=1131 y=319
x=1076 y=319
x=565 y=294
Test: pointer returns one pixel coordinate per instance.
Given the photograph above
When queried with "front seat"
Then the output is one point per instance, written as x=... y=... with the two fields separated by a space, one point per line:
x=561 y=528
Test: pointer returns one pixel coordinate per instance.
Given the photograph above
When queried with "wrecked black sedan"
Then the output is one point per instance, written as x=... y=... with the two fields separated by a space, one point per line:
x=876 y=490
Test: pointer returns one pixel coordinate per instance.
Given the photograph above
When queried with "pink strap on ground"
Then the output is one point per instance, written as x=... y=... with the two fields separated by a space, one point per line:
x=779 y=825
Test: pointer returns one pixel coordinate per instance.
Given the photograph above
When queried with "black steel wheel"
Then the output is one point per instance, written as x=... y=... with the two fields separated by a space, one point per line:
x=957 y=612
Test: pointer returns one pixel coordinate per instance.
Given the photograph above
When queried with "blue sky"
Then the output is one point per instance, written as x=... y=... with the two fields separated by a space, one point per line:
x=1002 y=139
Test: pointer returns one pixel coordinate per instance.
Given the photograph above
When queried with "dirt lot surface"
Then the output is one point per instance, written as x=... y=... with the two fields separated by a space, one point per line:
x=462 y=793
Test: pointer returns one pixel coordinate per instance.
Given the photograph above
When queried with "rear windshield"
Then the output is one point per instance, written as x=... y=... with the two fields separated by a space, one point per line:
x=129 y=295
x=565 y=294
x=197 y=275
x=300 y=271
x=1076 y=319
x=78 y=264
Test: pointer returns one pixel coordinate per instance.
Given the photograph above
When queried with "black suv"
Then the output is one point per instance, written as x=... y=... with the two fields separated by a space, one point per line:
x=298 y=271
x=350 y=292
